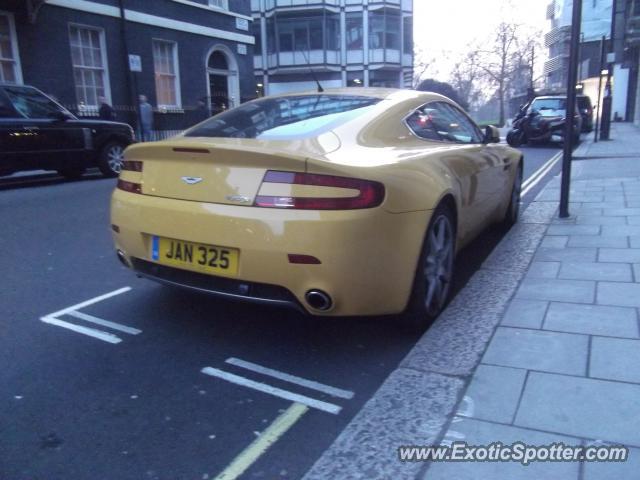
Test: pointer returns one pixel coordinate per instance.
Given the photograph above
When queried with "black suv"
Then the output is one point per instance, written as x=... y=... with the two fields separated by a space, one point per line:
x=37 y=133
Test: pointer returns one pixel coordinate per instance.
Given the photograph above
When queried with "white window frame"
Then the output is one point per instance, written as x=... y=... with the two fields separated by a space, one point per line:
x=219 y=4
x=105 y=65
x=14 y=46
x=176 y=69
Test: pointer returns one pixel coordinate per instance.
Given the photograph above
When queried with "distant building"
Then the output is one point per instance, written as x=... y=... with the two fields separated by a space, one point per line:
x=627 y=57
x=196 y=56
x=344 y=42
x=596 y=23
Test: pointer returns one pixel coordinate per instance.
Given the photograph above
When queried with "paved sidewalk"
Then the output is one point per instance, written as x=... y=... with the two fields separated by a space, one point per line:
x=541 y=346
x=564 y=363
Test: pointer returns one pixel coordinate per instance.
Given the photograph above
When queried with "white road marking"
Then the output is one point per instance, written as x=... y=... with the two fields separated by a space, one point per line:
x=321 y=387
x=104 y=323
x=260 y=445
x=89 y=302
x=53 y=319
x=539 y=174
x=278 y=392
x=99 y=334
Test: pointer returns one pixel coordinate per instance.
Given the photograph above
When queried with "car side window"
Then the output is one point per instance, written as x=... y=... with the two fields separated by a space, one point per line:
x=31 y=103
x=6 y=110
x=443 y=122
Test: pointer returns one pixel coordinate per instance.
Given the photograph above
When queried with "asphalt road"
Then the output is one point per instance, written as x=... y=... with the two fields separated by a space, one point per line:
x=76 y=407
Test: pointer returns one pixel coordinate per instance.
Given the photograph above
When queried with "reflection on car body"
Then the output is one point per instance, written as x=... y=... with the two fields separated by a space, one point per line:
x=357 y=200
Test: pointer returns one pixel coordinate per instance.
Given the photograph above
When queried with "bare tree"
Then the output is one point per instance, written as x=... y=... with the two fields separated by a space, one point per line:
x=507 y=63
x=424 y=64
x=467 y=77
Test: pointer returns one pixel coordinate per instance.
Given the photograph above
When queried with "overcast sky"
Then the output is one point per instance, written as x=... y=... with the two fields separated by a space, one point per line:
x=450 y=26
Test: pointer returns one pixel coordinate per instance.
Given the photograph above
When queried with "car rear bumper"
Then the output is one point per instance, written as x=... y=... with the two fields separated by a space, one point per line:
x=368 y=257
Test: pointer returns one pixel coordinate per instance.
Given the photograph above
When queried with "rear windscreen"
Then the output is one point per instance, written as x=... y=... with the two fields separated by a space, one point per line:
x=284 y=117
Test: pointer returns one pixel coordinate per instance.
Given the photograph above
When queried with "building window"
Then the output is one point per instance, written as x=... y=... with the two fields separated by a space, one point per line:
x=407 y=34
x=165 y=67
x=384 y=28
x=88 y=56
x=354 y=30
x=256 y=31
x=221 y=4
x=9 y=60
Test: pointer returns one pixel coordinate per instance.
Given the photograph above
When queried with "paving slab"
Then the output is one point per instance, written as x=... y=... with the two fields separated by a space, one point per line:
x=596 y=241
x=615 y=359
x=493 y=393
x=583 y=407
x=615 y=272
x=477 y=432
x=592 y=320
x=614 y=470
x=368 y=447
x=574 y=230
x=538 y=350
x=543 y=270
x=559 y=241
x=525 y=313
x=566 y=254
x=625 y=255
x=576 y=291
x=600 y=220
x=619 y=294
x=620 y=230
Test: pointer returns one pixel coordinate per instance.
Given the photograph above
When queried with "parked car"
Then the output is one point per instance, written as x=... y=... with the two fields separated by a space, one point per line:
x=586 y=112
x=37 y=133
x=543 y=120
x=348 y=202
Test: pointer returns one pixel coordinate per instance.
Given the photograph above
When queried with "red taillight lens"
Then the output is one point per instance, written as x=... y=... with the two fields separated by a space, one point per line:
x=371 y=194
x=130 y=187
x=132 y=165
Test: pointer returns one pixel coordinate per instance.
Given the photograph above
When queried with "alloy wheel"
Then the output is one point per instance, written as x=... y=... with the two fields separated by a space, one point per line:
x=438 y=266
x=115 y=157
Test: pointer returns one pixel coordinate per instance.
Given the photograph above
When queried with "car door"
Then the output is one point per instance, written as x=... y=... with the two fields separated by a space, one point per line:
x=44 y=134
x=476 y=167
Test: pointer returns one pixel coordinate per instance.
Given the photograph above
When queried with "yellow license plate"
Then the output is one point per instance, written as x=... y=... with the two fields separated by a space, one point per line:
x=195 y=256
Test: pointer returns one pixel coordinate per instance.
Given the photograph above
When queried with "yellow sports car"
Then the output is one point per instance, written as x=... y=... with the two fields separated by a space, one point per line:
x=343 y=202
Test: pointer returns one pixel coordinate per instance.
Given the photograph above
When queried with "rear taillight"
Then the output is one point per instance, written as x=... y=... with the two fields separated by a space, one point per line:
x=130 y=187
x=370 y=193
x=132 y=165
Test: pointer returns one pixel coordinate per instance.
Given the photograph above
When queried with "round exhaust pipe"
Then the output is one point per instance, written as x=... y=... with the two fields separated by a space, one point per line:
x=318 y=300
x=122 y=258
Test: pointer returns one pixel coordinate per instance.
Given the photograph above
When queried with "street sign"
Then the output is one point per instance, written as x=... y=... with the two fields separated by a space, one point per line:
x=135 y=63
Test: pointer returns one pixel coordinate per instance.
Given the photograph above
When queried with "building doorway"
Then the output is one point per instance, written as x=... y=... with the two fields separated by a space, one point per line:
x=222 y=80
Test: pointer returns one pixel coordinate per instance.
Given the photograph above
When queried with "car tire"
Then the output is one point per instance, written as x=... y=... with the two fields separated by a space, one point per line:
x=111 y=158
x=434 y=273
x=513 y=210
x=72 y=173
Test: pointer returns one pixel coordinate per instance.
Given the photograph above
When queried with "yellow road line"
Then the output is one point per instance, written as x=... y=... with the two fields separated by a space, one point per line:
x=261 y=444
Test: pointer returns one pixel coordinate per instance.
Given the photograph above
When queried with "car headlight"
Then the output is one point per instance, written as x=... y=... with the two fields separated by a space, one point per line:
x=132 y=135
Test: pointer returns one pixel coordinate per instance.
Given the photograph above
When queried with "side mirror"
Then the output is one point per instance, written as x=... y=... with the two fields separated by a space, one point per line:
x=491 y=135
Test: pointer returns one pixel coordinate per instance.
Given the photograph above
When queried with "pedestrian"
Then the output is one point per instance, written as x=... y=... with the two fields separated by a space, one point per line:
x=146 y=118
x=106 y=111
x=202 y=111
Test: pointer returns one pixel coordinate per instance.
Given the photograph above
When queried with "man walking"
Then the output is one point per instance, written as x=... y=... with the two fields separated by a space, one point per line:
x=146 y=118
